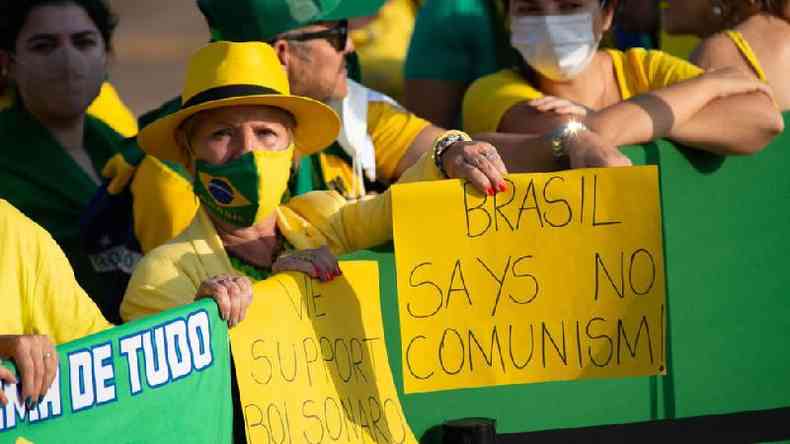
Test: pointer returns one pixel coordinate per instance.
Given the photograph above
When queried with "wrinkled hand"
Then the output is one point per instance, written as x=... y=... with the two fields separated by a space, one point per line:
x=731 y=81
x=232 y=294
x=319 y=263
x=37 y=362
x=558 y=105
x=589 y=150
x=477 y=162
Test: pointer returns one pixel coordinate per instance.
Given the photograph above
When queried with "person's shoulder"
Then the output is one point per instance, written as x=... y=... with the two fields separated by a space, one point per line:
x=98 y=125
x=504 y=83
x=502 y=77
x=9 y=214
x=18 y=229
x=307 y=220
x=718 y=50
x=166 y=256
x=318 y=204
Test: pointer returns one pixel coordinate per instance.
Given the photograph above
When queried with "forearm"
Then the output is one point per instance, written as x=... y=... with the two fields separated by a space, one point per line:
x=523 y=153
x=741 y=124
x=421 y=145
x=651 y=116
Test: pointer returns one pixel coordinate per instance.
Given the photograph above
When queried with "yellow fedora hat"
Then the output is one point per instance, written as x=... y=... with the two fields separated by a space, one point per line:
x=225 y=74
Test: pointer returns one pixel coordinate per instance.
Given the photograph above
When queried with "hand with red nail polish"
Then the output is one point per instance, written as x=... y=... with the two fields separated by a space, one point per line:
x=318 y=263
x=477 y=162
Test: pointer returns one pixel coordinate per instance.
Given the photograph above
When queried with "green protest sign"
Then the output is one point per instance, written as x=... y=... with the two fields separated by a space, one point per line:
x=160 y=379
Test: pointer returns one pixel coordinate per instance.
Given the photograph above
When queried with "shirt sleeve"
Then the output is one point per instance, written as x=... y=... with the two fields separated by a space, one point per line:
x=657 y=69
x=157 y=285
x=59 y=308
x=488 y=100
x=325 y=218
x=163 y=203
x=393 y=131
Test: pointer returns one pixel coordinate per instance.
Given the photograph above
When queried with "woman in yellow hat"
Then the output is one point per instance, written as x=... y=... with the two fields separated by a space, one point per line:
x=237 y=130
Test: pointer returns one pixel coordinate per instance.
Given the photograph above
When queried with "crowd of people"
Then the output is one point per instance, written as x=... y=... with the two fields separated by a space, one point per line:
x=277 y=154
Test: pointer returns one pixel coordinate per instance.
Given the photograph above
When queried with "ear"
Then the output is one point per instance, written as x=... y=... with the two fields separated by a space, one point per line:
x=282 y=49
x=6 y=66
x=5 y=60
x=607 y=15
x=183 y=142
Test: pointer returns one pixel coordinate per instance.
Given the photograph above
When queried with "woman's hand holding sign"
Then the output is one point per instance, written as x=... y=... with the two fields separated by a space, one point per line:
x=477 y=162
x=232 y=294
x=37 y=362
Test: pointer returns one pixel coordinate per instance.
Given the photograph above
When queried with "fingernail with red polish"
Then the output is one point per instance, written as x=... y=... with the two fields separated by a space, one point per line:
x=502 y=187
x=490 y=191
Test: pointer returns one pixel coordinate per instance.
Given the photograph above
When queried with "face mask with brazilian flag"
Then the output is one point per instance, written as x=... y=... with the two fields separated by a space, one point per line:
x=246 y=190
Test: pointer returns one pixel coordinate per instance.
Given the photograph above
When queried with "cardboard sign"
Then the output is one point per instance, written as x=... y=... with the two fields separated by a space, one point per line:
x=312 y=363
x=561 y=277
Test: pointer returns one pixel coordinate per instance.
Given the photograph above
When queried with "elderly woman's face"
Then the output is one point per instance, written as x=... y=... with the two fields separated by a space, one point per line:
x=59 y=61
x=224 y=134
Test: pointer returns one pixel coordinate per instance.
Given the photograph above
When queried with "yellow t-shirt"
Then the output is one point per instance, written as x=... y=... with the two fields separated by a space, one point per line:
x=393 y=130
x=40 y=295
x=107 y=107
x=171 y=274
x=637 y=71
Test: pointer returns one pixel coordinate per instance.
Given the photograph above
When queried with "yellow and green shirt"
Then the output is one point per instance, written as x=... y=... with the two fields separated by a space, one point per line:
x=637 y=70
x=40 y=295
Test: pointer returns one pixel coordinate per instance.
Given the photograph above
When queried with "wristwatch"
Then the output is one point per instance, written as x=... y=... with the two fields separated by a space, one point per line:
x=560 y=136
x=443 y=142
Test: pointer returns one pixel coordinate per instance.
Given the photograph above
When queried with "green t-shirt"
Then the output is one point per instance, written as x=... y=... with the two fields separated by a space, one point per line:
x=458 y=40
x=43 y=181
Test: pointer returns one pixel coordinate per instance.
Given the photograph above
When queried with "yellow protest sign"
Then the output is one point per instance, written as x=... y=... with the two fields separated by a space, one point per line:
x=312 y=365
x=561 y=277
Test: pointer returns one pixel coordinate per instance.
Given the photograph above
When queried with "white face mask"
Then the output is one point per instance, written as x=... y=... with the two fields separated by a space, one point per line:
x=557 y=46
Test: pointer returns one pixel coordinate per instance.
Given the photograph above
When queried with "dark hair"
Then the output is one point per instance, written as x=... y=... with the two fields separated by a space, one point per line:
x=14 y=14
x=736 y=11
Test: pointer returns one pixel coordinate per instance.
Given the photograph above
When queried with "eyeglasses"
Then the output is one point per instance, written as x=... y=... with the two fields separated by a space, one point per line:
x=337 y=36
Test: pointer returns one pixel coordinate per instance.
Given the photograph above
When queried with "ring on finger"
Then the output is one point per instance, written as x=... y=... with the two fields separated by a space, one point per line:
x=490 y=154
x=474 y=161
x=47 y=355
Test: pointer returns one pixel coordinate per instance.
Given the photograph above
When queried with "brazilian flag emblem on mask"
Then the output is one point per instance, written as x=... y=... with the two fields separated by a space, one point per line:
x=246 y=190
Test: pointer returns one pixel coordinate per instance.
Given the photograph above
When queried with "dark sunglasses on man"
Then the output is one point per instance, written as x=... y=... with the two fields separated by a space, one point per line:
x=337 y=36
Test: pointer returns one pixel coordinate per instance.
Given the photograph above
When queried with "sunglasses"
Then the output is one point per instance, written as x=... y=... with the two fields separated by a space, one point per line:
x=337 y=36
